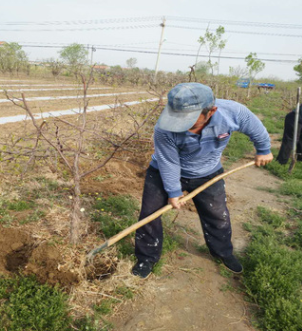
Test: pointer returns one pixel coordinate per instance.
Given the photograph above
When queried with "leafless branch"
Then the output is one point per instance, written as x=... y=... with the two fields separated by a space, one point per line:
x=123 y=142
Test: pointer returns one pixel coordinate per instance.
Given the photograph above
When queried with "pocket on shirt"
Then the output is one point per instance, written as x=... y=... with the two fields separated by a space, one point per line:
x=222 y=142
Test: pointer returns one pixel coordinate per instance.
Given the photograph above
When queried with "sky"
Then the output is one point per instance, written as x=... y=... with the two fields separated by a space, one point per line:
x=71 y=23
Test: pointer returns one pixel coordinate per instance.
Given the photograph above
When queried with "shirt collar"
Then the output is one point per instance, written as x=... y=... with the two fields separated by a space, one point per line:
x=215 y=119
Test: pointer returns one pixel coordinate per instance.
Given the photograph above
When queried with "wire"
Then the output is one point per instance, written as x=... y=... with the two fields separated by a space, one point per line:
x=85 y=29
x=242 y=23
x=152 y=26
x=68 y=44
x=58 y=45
x=194 y=55
x=240 y=32
x=236 y=52
x=87 y=22
x=157 y=18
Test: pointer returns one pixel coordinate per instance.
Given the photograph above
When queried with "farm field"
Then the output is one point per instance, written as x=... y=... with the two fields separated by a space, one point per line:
x=188 y=290
x=45 y=101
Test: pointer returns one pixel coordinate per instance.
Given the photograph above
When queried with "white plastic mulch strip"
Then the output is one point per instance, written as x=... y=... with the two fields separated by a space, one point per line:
x=57 y=89
x=69 y=97
x=35 y=85
x=16 y=80
x=73 y=111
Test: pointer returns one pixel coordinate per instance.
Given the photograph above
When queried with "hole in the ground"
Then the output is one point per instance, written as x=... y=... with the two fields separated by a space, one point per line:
x=17 y=259
x=101 y=268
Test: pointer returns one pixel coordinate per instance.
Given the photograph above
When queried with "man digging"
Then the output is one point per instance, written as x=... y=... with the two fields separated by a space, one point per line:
x=189 y=138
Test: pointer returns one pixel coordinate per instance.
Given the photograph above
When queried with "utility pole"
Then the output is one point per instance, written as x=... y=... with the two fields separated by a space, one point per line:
x=294 y=155
x=163 y=24
x=93 y=49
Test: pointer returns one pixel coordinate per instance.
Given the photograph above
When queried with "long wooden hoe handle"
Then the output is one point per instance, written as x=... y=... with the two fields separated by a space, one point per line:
x=162 y=210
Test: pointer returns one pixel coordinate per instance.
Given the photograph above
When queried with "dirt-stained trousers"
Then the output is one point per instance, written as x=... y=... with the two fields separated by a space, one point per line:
x=210 y=205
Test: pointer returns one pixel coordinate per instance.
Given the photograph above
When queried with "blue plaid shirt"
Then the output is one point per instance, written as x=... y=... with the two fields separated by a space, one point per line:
x=191 y=155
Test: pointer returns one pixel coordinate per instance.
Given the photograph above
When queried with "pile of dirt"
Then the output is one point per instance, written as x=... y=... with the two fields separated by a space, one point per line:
x=21 y=254
x=117 y=177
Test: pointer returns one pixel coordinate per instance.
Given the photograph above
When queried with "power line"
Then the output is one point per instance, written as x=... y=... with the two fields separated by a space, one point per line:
x=242 y=23
x=85 y=29
x=157 y=18
x=68 y=44
x=174 y=54
x=87 y=22
x=194 y=49
x=57 y=45
x=194 y=55
x=240 y=32
x=236 y=52
x=153 y=26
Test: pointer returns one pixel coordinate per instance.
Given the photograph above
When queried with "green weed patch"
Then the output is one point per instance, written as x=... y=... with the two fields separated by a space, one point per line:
x=115 y=214
x=118 y=205
x=281 y=171
x=268 y=107
x=238 y=146
x=19 y=205
x=26 y=305
x=273 y=275
x=292 y=187
x=269 y=217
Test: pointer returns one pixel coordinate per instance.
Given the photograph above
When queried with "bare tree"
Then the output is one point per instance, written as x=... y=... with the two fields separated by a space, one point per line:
x=55 y=66
x=71 y=140
x=192 y=73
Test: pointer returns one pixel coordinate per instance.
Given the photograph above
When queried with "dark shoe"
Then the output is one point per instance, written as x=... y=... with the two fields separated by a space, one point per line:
x=142 y=269
x=230 y=263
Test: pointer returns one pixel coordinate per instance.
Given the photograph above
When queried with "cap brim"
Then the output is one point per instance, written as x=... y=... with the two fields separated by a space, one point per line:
x=173 y=121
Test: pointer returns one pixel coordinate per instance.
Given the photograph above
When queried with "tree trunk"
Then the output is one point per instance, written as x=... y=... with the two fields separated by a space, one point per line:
x=76 y=207
x=249 y=91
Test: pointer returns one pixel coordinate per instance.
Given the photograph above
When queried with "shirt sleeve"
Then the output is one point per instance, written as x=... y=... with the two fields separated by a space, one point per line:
x=250 y=125
x=167 y=157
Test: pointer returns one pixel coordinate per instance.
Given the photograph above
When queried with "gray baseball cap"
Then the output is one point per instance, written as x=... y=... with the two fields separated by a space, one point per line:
x=185 y=103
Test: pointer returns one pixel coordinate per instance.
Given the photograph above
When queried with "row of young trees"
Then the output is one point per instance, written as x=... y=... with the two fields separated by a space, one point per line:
x=74 y=59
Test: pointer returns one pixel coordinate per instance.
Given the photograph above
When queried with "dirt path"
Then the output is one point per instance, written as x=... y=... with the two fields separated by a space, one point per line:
x=191 y=293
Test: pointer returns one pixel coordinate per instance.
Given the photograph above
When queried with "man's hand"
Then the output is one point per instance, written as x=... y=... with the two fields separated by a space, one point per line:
x=262 y=160
x=175 y=202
